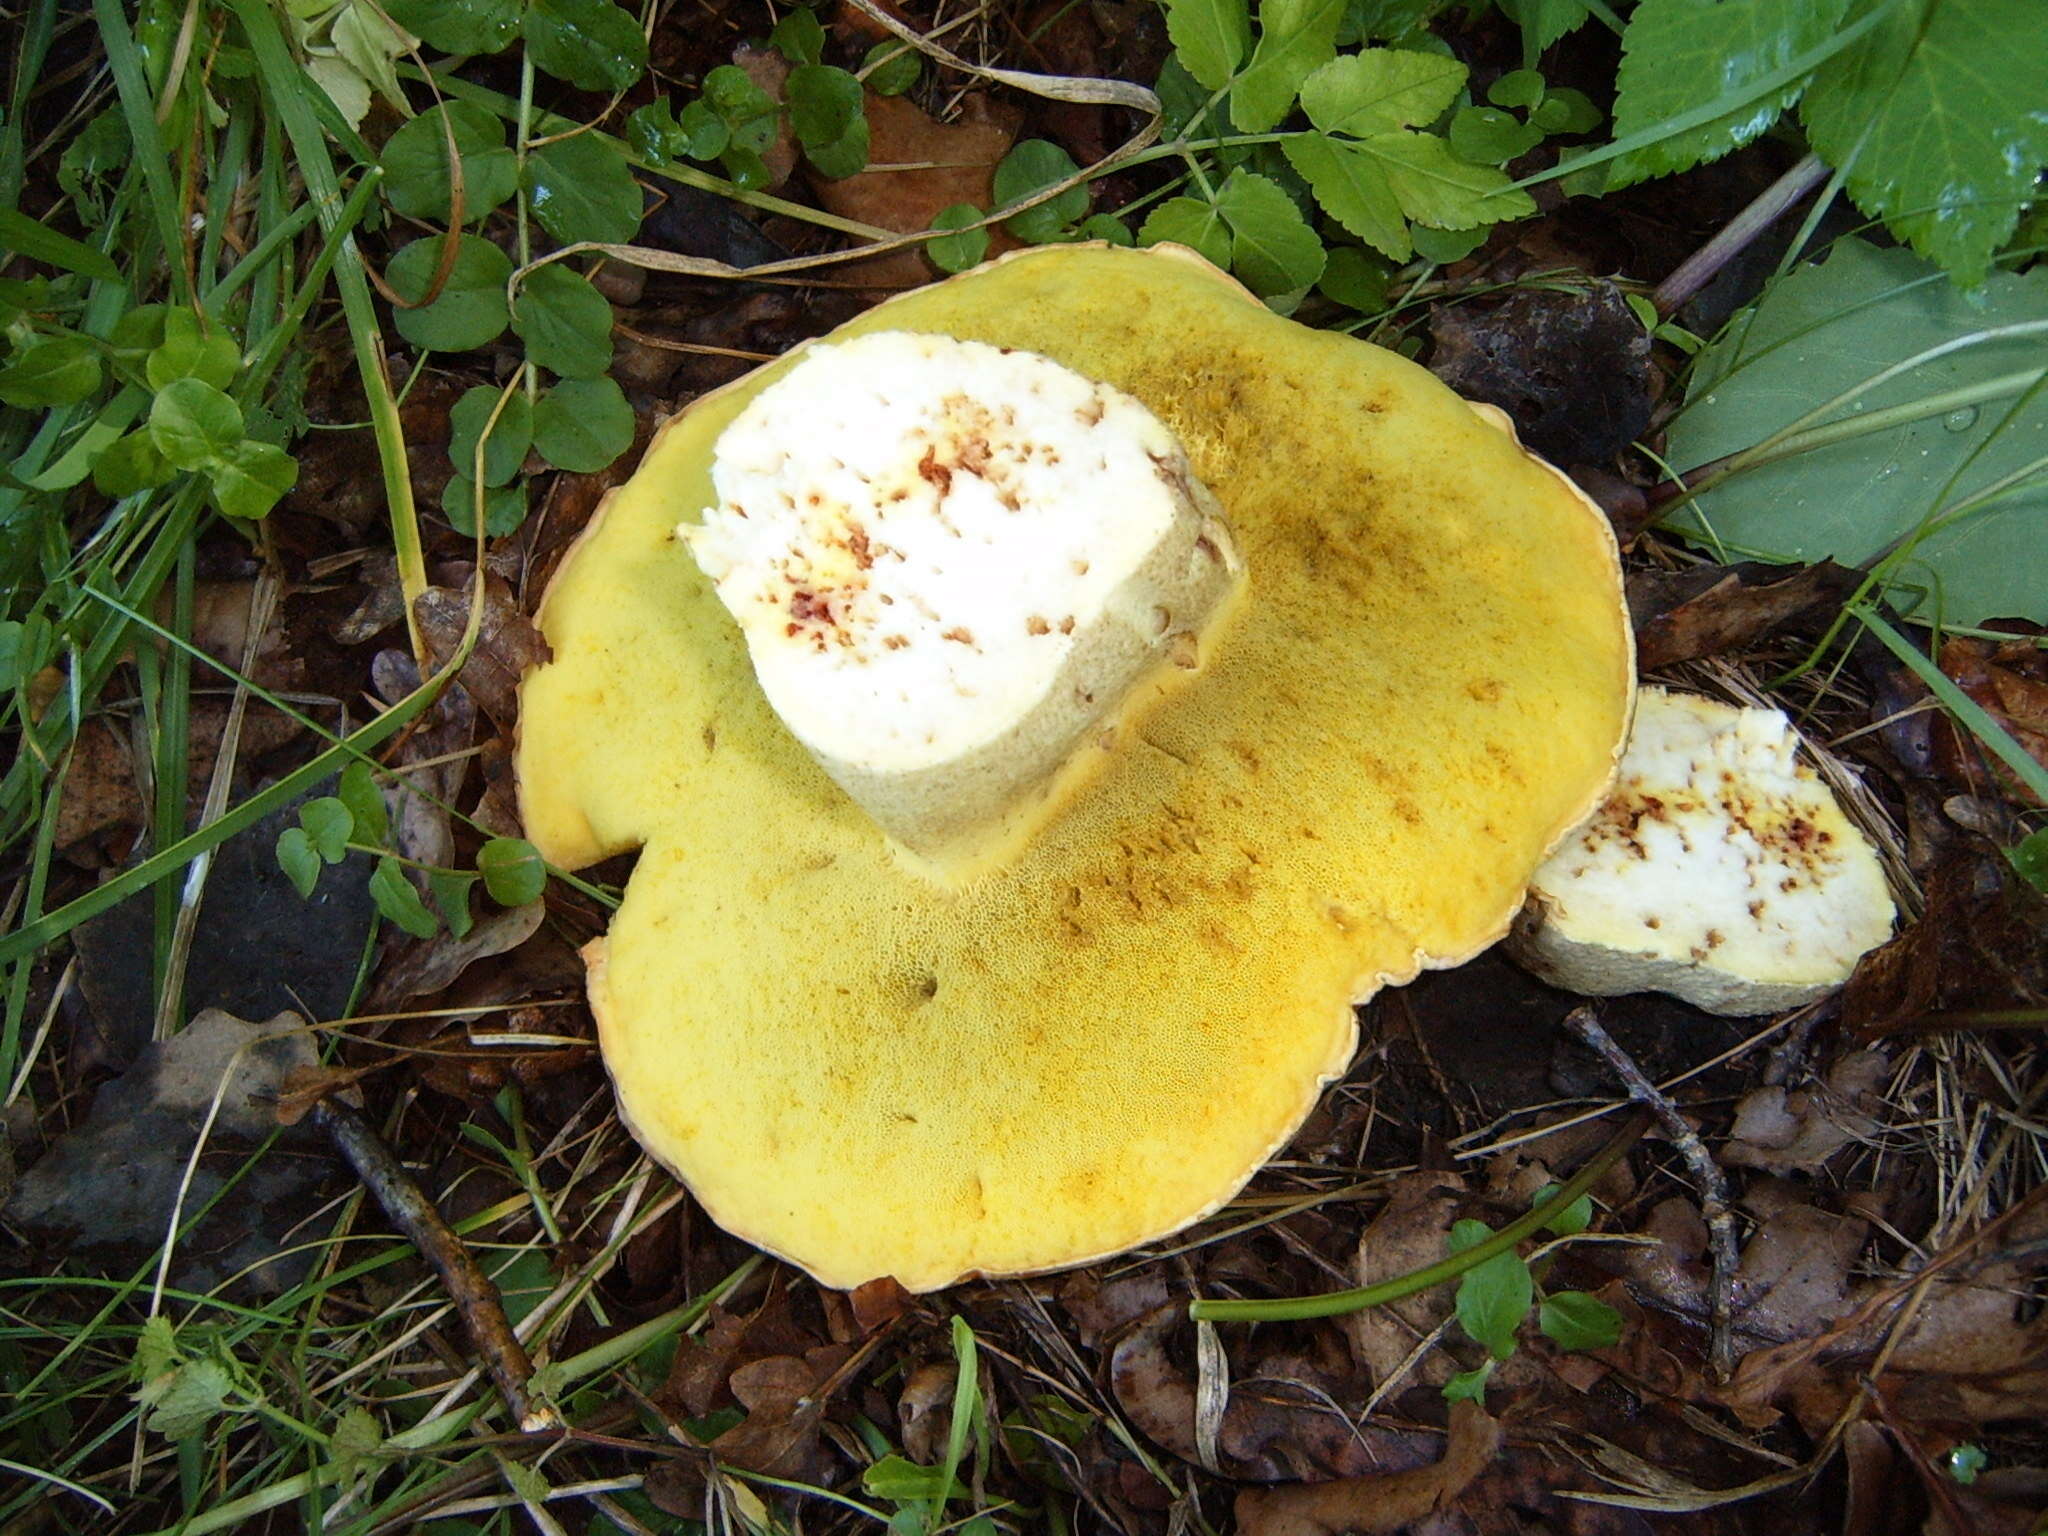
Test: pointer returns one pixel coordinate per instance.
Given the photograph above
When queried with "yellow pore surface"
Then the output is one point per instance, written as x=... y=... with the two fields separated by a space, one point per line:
x=1099 y=1042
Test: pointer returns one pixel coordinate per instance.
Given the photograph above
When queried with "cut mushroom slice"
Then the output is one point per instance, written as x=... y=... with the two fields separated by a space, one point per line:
x=1721 y=870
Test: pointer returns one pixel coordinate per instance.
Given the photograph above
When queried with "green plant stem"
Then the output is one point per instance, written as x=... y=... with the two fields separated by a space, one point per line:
x=1335 y=1303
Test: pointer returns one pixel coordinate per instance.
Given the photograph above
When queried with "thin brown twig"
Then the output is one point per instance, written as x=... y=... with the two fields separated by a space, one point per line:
x=469 y=1288
x=1585 y=1024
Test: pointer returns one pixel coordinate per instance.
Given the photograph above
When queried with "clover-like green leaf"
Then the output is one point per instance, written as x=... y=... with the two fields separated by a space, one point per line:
x=450 y=889
x=891 y=67
x=564 y=321
x=251 y=478
x=1489 y=136
x=130 y=464
x=299 y=860
x=458 y=26
x=1029 y=168
x=194 y=425
x=329 y=823
x=582 y=188
x=513 y=871
x=592 y=44
x=582 y=425
x=470 y=308
x=358 y=791
x=190 y=350
x=415 y=162
x=957 y=252
x=1190 y=222
x=511 y=434
x=505 y=507
x=799 y=37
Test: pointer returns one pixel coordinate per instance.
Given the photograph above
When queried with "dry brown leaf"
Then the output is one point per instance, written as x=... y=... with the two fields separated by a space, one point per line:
x=1411 y=1231
x=2010 y=680
x=432 y=965
x=1684 y=615
x=944 y=164
x=506 y=644
x=1796 y=1132
x=1981 y=943
x=1367 y=1506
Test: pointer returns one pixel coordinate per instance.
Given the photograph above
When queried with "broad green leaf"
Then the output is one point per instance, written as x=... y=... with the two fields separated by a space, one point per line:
x=1681 y=55
x=891 y=67
x=582 y=188
x=1379 y=90
x=193 y=424
x=799 y=37
x=1107 y=227
x=1517 y=88
x=61 y=370
x=1570 y=1221
x=1443 y=246
x=1436 y=188
x=1945 y=109
x=1212 y=37
x=399 y=902
x=458 y=26
x=415 y=162
x=592 y=44
x=25 y=237
x=513 y=871
x=956 y=253
x=1352 y=278
x=1820 y=332
x=189 y=351
x=470 y=308
x=450 y=890
x=328 y=824
x=130 y=464
x=1489 y=136
x=252 y=478
x=565 y=322
x=582 y=425
x=1271 y=245
x=1297 y=37
x=1190 y=222
x=358 y=791
x=1351 y=186
x=299 y=860
x=1493 y=1296
x=1574 y=1320
x=823 y=102
x=1031 y=166
x=511 y=434
x=504 y=507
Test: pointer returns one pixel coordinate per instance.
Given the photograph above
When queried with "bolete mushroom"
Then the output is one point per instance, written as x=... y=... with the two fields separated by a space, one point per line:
x=1094 y=1037
x=1720 y=870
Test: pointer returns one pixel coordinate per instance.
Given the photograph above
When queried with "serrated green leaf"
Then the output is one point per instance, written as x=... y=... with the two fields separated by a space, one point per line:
x=189 y=351
x=582 y=188
x=1351 y=187
x=329 y=824
x=1352 y=278
x=1379 y=90
x=592 y=44
x=511 y=433
x=512 y=870
x=187 y=1398
x=564 y=321
x=1489 y=136
x=1576 y=1321
x=890 y=67
x=1493 y=1296
x=1945 y=110
x=130 y=464
x=356 y=1434
x=415 y=161
x=1819 y=333
x=358 y=791
x=61 y=370
x=450 y=890
x=1682 y=55
x=251 y=478
x=1271 y=245
x=582 y=425
x=458 y=26
x=399 y=902
x=1436 y=188
x=1031 y=166
x=1296 y=38
x=799 y=37
x=299 y=860
x=505 y=507
x=1190 y=222
x=470 y=308
x=956 y=253
x=1211 y=36
x=1543 y=22
x=194 y=425
x=156 y=1348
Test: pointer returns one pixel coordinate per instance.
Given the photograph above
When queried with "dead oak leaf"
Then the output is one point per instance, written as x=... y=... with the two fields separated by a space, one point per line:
x=1371 y=1505
x=1797 y=1131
